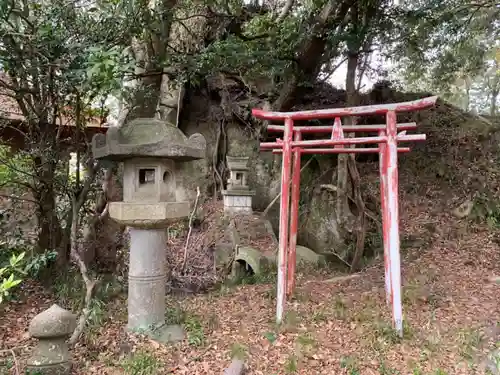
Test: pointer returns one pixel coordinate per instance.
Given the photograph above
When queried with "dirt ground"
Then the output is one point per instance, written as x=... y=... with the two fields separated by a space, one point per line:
x=332 y=325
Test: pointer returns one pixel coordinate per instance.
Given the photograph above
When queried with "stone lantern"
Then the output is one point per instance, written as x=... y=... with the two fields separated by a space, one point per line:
x=154 y=196
x=238 y=196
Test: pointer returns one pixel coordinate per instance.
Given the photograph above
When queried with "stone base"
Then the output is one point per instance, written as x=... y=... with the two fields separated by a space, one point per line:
x=59 y=369
x=169 y=334
x=148 y=215
x=238 y=201
x=50 y=356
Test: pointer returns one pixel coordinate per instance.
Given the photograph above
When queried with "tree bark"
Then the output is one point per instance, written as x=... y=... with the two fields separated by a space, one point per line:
x=343 y=211
x=50 y=231
x=493 y=103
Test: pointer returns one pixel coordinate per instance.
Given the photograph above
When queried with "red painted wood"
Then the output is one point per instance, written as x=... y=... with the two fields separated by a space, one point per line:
x=294 y=217
x=337 y=133
x=344 y=141
x=365 y=150
x=392 y=224
x=387 y=146
x=284 y=220
x=385 y=219
x=346 y=129
x=381 y=109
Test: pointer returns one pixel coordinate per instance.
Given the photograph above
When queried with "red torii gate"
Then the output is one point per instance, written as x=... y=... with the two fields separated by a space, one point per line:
x=387 y=140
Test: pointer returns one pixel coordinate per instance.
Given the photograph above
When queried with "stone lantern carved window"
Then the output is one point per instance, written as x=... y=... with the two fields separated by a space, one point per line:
x=167 y=177
x=146 y=176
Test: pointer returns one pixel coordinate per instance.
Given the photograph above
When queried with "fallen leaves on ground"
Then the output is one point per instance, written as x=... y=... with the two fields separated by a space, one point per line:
x=450 y=307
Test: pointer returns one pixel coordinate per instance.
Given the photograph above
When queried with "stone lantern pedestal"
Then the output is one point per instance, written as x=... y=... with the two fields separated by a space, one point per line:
x=154 y=196
x=238 y=196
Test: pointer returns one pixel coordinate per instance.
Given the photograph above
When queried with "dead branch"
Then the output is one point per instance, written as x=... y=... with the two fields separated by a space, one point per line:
x=286 y=9
x=78 y=201
x=215 y=160
x=16 y=363
x=264 y=213
x=89 y=283
x=191 y=217
x=337 y=279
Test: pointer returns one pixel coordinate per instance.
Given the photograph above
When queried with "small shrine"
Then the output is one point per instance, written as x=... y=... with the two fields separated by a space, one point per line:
x=238 y=196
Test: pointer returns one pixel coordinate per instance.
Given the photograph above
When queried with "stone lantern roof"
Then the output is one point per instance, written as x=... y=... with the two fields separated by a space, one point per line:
x=148 y=138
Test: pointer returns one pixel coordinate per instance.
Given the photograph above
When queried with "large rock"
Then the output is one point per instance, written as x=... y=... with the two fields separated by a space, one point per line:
x=308 y=256
x=305 y=257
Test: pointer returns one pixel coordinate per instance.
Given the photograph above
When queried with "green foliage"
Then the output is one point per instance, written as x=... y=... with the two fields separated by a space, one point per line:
x=239 y=351
x=449 y=48
x=141 y=363
x=349 y=363
x=194 y=328
x=9 y=282
x=291 y=364
x=18 y=267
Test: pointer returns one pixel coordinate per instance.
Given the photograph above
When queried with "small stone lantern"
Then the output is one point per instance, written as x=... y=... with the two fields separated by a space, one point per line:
x=154 y=196
x=238 y=196
x=52 y=328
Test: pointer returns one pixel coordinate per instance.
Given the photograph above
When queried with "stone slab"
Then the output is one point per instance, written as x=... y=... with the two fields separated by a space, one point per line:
x=148 y=215
x=304 y=255
x=239 y=192
x=237 y=204
x=148 y=137
x=237 y=367
x=237 y=163
x=169 y=334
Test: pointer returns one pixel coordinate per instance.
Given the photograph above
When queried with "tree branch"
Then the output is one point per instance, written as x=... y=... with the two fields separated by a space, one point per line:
x=284 y=12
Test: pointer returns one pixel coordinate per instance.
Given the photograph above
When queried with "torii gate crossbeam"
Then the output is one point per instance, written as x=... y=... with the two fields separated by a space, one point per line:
x=292 y=146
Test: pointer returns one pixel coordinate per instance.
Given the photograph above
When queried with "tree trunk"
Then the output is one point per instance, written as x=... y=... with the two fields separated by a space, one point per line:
x=347 y=168
x=50 y=231
x=344 y=214
x=493 y=103
x=467 y=96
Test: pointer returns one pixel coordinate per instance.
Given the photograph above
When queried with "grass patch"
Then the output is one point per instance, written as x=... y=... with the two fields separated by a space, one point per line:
x=292 y=364
x=340 y=308
x=239 y=351
x=194 y=328
x=470 y=340
x=350 y=364
x=175 y=315
x=387 y=370
x=319 y=316
x=141 y=363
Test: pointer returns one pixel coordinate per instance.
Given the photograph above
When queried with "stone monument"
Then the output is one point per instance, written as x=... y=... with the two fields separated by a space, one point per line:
x=154 y=196
x=52 y=328
x=238 y=196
